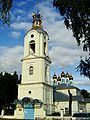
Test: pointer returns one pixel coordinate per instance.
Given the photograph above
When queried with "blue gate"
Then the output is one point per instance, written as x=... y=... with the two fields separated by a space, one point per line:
x=28 y=111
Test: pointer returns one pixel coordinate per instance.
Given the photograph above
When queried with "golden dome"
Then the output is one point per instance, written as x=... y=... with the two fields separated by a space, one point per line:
x=62 y=74
x=37 y=21
x=67 y=75
x=70 y=77
x=54 y=76
x=58 y=79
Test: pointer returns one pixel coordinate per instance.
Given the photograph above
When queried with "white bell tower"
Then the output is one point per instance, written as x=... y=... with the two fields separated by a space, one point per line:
x=36 y=67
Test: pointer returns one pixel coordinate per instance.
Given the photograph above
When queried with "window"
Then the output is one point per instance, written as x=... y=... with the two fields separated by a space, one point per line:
x=32 y=47
x=45 y=48
x=66 y=110
x=45 y=71
x=32 y=36
x=63 y=80
x=67 y=81
x=46 y=74
x=31 y=70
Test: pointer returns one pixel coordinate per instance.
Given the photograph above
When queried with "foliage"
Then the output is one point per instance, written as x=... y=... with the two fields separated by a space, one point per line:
x=8 y=88
x=84 y=67
x=55 y=114
x=85 y=93
x=5 y=7
x=76 y=17
x=76 y=14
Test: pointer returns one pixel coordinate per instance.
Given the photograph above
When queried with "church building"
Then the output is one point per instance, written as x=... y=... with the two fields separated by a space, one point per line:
x=37 y=96
x=67 y=98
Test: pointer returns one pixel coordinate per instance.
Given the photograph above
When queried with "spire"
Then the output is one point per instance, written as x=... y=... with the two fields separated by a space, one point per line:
x=37 y=18
x=37 y=9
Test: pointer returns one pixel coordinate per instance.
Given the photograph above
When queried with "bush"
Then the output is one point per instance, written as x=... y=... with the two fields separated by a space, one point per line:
x=56 y=114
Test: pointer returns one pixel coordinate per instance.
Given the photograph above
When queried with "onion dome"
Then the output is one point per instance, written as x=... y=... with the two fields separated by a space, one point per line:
x=70 y=77
x=67 y=75
x=37 y=22
x=58 y=79
x=62 y=74
x=54 y=76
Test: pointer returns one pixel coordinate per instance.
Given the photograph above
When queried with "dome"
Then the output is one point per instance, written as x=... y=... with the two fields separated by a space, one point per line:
x=62 y=74
x=70 y=77
x=37 y=21
x=67 y=75
x=58 y=79
x=54 y=76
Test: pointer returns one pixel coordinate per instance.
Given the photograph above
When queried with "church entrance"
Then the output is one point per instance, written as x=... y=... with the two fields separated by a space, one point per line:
x=28 y=111
x=28 y=108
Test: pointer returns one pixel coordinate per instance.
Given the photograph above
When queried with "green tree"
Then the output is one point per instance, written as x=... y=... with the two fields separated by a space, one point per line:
x=5 y=7
x=76 y=14
x=84 y=67
x=85 y=93
x=8 y=88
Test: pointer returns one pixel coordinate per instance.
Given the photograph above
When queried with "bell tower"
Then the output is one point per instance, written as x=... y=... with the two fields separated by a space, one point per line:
x=36 y=67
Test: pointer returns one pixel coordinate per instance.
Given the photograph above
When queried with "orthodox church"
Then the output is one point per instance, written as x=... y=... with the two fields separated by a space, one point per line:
x=67 y=98
x=37 y=97
x=36 y=90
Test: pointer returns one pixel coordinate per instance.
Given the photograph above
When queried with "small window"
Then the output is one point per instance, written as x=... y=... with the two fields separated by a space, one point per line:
x=32 y=36
x=31 y=70
x=66 y=110
x=45 y=71
x=32 y=47
x=45 y=48
x=44 y=37
x=63 y=80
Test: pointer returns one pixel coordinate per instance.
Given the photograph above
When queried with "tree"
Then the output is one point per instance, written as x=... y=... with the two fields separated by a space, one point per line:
x=85 y=93
x=5 y=7
x=8 y=88
x=76 y=14
x=84 y=67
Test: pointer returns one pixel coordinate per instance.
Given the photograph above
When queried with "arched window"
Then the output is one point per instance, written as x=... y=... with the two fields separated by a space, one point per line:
x=45 y=48
x=32 y=47
x=31 y=70
x=45 y=71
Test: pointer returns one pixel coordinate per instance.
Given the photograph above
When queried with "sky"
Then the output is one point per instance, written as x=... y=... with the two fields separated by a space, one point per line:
x=63 y=49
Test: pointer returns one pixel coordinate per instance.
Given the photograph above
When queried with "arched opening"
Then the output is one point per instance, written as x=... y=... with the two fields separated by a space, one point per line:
x=32 y=47
x=44 y=48
x=28 y=108
x=31 y=70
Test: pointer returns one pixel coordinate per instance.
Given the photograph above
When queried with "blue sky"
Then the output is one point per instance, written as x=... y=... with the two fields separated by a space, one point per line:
x=63 y=49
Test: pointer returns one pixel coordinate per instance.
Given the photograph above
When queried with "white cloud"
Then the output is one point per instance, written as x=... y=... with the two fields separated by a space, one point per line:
x=15 y=35
x=62 y=55
x=62 y=44
x=21 y=26
x=21 y=3
x=83 y=81
x=19 y=11
x=10 y=59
